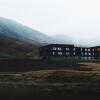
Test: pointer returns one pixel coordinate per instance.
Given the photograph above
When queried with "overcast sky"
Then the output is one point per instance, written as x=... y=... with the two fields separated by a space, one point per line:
x=77 y=18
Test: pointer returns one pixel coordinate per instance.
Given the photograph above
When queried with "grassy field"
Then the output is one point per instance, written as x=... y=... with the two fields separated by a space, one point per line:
x=52 y=83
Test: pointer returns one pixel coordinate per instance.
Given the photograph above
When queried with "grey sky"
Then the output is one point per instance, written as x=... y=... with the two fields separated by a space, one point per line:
x=77 y=18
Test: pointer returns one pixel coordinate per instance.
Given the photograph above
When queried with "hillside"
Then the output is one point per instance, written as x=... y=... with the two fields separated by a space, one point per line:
x=20 y=41
x=13 y=29
x=13 y=48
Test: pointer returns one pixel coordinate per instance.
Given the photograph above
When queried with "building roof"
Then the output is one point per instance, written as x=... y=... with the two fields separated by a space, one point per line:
x=58 y=45
x=71 y=45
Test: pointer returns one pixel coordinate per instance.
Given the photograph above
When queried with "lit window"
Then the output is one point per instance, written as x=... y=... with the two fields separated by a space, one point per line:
x=89 y=53
x=81 y=49
x=59 y=53
x=67 y=48
x=93 y=53
x=88 y=49
x=67 y=53
x=54 y=48
x=82 y=53
x=59 y=48
x=85 y=49
x=73 y=53
x=93 y=49
x=85 y=53
x=53 y=53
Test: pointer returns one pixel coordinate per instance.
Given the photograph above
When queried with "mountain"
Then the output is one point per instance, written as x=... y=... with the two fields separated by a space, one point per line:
x=19 y=41
x=13 y=48
x=12 y=29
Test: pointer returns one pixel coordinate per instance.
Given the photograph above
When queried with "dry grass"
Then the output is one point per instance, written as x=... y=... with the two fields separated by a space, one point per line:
x=52 y=82
x=93 y=66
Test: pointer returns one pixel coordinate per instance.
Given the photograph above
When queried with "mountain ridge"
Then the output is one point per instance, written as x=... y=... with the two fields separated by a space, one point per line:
x=15 y=30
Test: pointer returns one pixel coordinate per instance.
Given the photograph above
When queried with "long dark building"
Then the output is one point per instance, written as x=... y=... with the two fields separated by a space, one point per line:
x=62 y=51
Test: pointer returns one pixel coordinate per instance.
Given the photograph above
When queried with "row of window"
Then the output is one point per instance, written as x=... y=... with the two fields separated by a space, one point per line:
x=86 y=49
x=59 y=48
x=86 y=53
x=87 y=58
x=68 y=53
x=60 y=53
x=55 y=48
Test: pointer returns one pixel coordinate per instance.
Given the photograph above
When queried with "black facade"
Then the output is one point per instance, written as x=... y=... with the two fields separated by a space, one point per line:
x=56 y=50
x=70 y=52
x=97 y=52
x=87 y=53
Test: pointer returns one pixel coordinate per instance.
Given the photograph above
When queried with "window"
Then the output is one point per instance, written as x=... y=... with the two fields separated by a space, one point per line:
x=67 y=48
x=73 y=49
x=89 y=58
x=88 y=49
x=54 y=48
x=85 y=49
x=59 y=53
x=82 y=53
x=73 y=53
x=67 y=53
x=53 y=53
x=85 y=58
x=93 y=53
x=81 y=57
x=92 y=58
x=59 y=48
x=81 y=49
x=93 y=49
x=89 y=54
x=85 y=53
